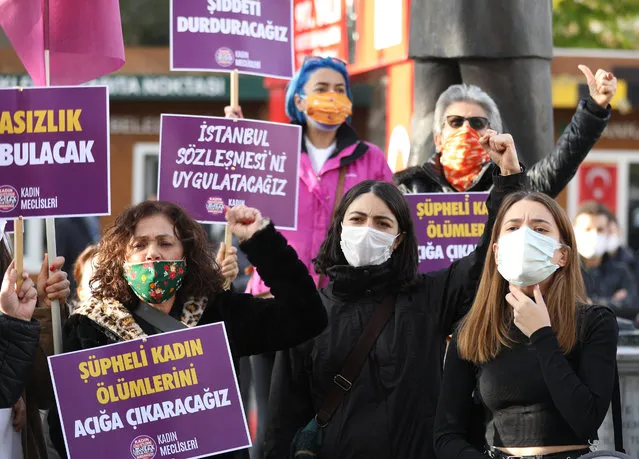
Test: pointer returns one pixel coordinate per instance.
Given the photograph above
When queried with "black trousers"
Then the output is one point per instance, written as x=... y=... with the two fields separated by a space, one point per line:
x=520 y=87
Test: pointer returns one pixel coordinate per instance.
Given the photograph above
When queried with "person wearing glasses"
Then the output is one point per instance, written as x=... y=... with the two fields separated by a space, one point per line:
x=464 y=113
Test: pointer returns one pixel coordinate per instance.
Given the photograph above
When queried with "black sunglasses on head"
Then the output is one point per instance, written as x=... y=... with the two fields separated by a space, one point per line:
x=476 y=122
x=337 y=60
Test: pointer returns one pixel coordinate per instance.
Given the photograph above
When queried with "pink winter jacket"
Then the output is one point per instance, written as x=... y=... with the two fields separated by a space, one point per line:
x=317 y=197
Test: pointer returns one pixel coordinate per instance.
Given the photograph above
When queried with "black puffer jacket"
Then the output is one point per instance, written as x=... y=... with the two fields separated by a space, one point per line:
x=550 y=175
x=389 y=411
x=18 y=343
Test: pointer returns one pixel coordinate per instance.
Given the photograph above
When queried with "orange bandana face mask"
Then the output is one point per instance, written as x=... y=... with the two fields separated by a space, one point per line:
x=328 y=110
x=462 y=158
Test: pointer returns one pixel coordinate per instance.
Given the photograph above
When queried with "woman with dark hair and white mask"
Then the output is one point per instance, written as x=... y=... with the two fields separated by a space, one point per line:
x=370 y=258
x=538 y=358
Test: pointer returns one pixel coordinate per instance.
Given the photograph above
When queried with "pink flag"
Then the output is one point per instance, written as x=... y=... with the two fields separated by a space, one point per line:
x=85 y=38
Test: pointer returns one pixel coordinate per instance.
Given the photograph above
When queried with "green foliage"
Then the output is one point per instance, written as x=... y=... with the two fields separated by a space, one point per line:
x=612 y=24
x=145 y=22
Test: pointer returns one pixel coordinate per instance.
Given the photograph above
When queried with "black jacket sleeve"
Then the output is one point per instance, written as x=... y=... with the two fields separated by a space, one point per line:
x=582 y=397
x=553 y=172
x=80 y=332
x=453 y=288
x=18 y=342
x=290 y=405
x=295 y=314
x=454 y=408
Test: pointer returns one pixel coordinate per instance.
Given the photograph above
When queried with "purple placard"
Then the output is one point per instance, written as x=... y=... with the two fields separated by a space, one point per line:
x=448 y=226
x=208 y=162
x=183 y=397
x=66 y=170
x=250 y=36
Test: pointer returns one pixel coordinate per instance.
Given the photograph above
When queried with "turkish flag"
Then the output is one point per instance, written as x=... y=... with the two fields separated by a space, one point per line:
x=598 y=182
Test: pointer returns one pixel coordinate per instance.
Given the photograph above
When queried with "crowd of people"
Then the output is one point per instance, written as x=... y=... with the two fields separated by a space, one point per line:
x=348 y=339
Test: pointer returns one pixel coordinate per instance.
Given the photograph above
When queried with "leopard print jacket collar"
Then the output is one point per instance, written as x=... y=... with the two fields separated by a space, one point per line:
x=114 y=317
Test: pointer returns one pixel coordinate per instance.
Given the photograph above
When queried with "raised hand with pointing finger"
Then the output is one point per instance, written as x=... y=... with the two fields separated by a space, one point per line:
x=602 y=85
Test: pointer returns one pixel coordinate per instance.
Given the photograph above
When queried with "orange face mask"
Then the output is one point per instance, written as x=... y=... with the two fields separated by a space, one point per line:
x=462 y=158
x=328 y=110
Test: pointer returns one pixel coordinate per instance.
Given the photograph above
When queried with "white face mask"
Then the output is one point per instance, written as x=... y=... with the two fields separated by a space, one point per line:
x=614 y=242
x=364 y=246
x=590 y=244
x=524 y=257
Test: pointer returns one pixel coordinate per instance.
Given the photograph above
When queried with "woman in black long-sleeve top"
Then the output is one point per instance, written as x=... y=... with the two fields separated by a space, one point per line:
x=540 y=361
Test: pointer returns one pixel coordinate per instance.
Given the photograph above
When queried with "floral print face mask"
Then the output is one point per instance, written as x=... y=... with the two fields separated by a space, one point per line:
x=462 y=158
x=155 y=282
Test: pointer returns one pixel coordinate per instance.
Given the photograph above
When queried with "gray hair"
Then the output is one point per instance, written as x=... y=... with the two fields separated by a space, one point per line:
x=466 y=93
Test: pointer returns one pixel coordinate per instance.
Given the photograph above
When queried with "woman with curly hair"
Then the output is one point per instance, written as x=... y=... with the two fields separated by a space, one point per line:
x=158 y=237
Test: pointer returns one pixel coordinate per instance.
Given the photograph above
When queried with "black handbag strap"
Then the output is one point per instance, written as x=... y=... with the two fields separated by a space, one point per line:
x=616 y=414
x=344 y=380
x=338 y=198
x=157 y=319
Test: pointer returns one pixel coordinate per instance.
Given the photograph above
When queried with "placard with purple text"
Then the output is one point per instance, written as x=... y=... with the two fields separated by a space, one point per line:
x=250 y=36
x=54 y=152
x=209 y=163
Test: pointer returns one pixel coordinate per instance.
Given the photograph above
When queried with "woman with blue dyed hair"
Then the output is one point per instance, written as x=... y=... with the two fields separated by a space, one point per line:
x=333 y=159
